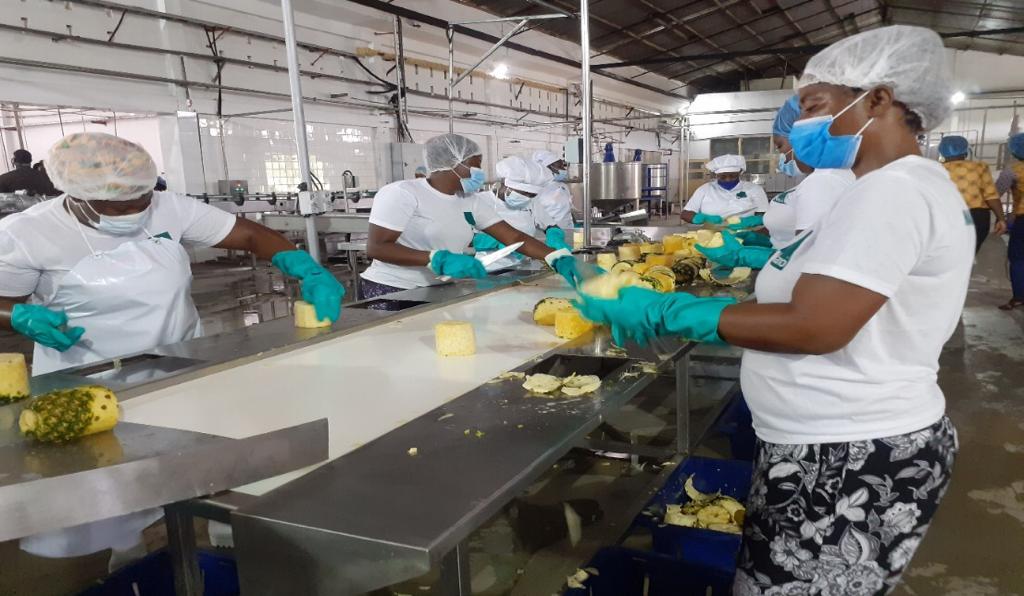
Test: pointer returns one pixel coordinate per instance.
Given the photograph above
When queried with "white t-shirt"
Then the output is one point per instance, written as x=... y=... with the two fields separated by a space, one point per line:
x=555 y=203
x=41 y=244
x=801 y=207
x=903 y=232
x=428 y=220
x=712 y=199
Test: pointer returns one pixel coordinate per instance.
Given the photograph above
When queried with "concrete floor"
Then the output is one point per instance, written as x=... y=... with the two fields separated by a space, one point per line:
x=974 y=546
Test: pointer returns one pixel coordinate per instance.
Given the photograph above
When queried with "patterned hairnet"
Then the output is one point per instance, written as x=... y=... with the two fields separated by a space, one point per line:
x=786 y=116
x=95 y=166
x=1017 y=145
x=446 y=151
x=909 y=60
x=953 y=146
x=523 y=174
x=724 y=164
x=544 y=158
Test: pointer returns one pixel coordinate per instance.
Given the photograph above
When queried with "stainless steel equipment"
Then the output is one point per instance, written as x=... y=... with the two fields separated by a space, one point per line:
x=233 y=187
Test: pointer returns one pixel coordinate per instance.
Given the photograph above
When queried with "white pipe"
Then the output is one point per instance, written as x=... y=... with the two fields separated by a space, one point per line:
x=588 y=124
x=299 y=117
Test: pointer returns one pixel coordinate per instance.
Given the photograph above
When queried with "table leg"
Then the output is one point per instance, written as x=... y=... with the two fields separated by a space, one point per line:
x=181 y=544
x=683 y=405
x=455 y=578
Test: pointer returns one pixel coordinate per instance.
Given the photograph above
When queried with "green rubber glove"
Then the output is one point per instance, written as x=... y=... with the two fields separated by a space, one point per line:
x=44 y=326
x=319 y=286
x=734 y=254
x=754 y=239
x=564 y=263
x=443 y=262
x=485 y=242
x=750 y=221
x=701 y=218
x=641 y=314
x=554 y=237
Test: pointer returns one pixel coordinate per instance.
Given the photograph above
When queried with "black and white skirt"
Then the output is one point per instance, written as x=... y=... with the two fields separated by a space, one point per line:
x=841 y=519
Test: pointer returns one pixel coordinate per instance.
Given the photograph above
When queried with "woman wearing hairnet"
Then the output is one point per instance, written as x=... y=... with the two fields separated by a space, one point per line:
x=727 y=195
x=555 y=199
x=790 y=212
x=854 y=448
x=974 y=180
x=102 y=272
x=419 y=229
x=515 y=201
x=1011 y=180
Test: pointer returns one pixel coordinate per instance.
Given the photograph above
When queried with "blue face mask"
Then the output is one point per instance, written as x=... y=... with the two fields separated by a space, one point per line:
x=120 y=225
x=728 y=185
x=475 y=182
x=561 y=175
x=788 y=167
x=818 y=148
x=517 y=201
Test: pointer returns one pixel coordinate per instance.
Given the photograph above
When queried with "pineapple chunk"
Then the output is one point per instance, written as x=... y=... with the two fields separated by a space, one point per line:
x=569 y=324
x=454 y=338
x=13 y=378
x=544 y=311
x=305 y=316
x=67 y=414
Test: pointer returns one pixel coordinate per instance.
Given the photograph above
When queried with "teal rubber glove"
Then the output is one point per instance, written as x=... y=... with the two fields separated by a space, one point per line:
x=485 y=243
x=443 y=262
x=319 y=286
x=564 y=263
x=734 y=254
x=554 y=237
x=754 y=239
x=750 y=221
x=641 y=314
x=701 y=218
x=45 y=327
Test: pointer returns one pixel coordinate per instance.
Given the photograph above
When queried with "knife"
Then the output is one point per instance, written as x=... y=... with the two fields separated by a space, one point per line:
x=492 y=258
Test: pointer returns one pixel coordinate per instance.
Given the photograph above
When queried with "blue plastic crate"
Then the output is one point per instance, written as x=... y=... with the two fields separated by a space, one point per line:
x=624 y=572
x=737 y=424
x=714 y=550
x=153 y=576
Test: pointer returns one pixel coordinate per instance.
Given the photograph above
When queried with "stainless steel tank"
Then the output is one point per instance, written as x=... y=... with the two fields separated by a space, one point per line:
x=631 y=176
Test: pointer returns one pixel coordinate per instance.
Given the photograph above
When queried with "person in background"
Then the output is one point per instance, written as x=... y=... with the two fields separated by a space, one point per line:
x=1011 y=180
x=25 y=178
x=727 y=195
x=421 y=172
x=790 y=212
x=555 y=199
x=515 y=201
x=842 y=345
x=420 y=228
x=161 y=184
x=974 y=180
x=111 y=250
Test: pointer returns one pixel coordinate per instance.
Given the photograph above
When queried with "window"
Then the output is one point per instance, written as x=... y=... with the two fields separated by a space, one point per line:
x=283 y=172
x=756 y=150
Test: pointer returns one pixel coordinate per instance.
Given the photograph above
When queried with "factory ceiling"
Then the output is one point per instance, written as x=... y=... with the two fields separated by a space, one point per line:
x=715 y=45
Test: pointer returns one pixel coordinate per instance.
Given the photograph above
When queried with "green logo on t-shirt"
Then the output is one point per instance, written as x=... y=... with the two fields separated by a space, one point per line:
x=469 y=218
x=781 y=198
x=741 y=194
x=783 y=255
x=166 y=235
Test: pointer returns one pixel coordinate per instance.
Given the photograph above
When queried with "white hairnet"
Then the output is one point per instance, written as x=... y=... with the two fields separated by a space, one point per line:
x=545 y=158
x=724 y=164
x=909 y=60
x=446 y=151
x=95 y=166
x=523 y=174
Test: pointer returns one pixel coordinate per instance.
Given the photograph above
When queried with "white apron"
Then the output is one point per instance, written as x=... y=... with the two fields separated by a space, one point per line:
x=520 y=219
x=133 y=298
x=130 y=299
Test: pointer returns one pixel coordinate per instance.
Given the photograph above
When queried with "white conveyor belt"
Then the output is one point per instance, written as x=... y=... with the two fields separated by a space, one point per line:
x=366 y=383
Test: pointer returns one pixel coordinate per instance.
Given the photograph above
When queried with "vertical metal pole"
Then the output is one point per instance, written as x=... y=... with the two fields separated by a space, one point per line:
x=403 y=103
x=686 y=163
x=455 y=577
x=299 y=116
x=181 y=542
x=981 y=142
x=683 y=404
x=18 y=126
x=451 y=79
x=588 y=123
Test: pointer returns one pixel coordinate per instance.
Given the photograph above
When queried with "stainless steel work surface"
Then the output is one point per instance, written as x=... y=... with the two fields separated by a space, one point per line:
x=132 y=468
x=392 y=508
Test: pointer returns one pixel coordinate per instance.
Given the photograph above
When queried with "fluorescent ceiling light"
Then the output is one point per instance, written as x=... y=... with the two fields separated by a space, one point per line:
x=500 y=71
x=186 y=114
x=958 y=97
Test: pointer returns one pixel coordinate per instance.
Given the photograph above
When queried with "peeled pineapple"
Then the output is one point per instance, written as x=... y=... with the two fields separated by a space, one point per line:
x=66 y=414
x=13 y=378
x=544 y=312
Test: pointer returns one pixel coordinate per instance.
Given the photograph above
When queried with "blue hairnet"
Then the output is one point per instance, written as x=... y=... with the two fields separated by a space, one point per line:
x=786 y=116
x=953 y=146
x=1017 y=145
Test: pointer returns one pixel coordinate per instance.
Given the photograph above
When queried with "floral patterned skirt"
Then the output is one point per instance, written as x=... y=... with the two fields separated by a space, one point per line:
x=841 y=519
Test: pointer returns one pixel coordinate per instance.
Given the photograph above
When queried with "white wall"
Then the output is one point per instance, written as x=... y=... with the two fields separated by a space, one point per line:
x=344 y=133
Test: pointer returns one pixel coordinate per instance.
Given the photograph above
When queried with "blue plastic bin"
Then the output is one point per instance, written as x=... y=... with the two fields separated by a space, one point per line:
x=714 y=550
x=623 y=572
x=737 y=424
x=153 y=576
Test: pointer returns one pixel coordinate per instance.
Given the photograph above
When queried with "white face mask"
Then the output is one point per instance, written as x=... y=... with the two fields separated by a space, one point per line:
x=119 y=225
